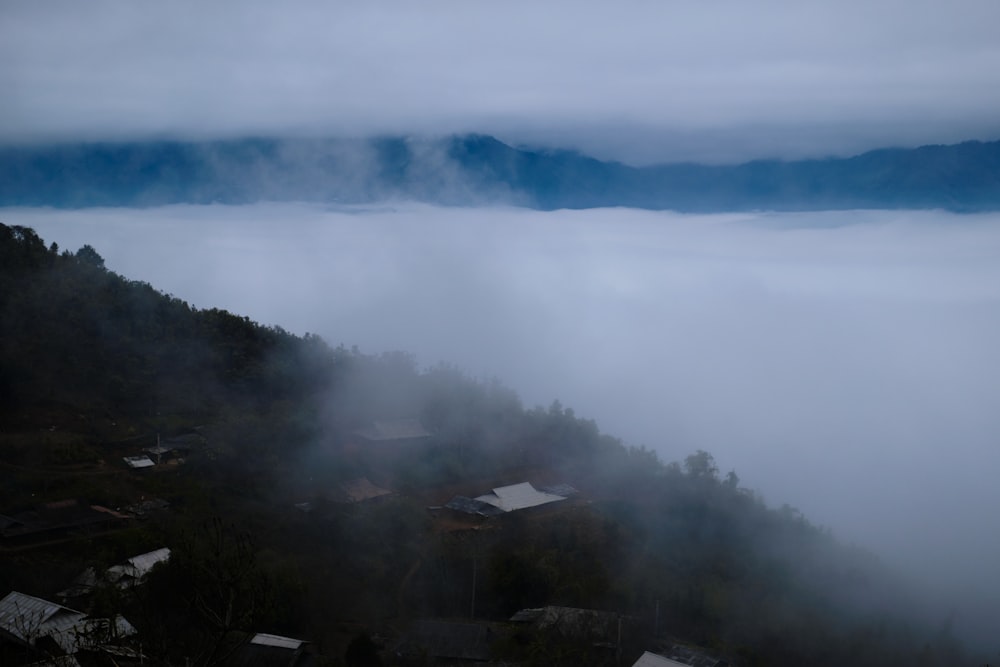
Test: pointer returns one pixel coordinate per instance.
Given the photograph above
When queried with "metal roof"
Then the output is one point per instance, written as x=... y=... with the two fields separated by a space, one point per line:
x=139 y=566
x=28 y=619
x=689 y=657
x=518 y=497
x=472 y=506
x=262 y=639
x=143 y=563
x=648 y=659
x=264 y=650
x=139 y=461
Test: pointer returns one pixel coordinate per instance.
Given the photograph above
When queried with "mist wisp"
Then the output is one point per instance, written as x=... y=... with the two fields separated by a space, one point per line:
x=844 y=363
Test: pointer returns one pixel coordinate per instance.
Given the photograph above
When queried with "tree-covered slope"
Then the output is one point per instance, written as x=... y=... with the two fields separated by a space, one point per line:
x=103 y=363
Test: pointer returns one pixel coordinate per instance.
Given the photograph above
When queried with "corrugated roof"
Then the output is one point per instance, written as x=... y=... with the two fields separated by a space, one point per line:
x=472 y=506
x=139 y=461
x=518 y=497
x=263 y=639
x=689 y=657
x=143 y=563
x=139 y=566
x=28 y=619
x=264 y=650
x=648 y=659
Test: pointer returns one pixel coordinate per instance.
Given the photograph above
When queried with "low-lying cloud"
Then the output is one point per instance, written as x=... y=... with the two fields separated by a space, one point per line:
x=637 y=81
x=845 y=363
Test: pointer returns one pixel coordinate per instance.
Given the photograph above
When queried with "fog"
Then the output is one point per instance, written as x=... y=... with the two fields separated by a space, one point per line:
x=845 y=363
x=636 y=81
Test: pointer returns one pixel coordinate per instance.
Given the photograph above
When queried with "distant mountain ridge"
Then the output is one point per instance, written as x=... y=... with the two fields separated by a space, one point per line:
x=480 y=170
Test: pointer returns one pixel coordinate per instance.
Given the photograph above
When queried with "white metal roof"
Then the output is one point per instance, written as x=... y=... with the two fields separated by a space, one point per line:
x=518 y=497
x=29 y=618
x=139 y=461
x=263 y=639
x=139 y=566
x=143 y=563
x=648 y=659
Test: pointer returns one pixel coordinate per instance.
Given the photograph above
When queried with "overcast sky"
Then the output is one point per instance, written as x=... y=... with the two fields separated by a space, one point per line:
x=640 y=81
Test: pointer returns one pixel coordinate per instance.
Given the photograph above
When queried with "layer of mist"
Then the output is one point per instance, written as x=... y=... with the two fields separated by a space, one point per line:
x=844 y=363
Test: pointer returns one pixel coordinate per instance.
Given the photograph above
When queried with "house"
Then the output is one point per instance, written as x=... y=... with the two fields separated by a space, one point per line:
x=692 y=657
x=264 y=650
x=53 y=629
x=472 y=506
x=138 y=462
x=130 y=573
x=159 y=452
x=504 y=499
x=678 y=655
x=134 y=570
x=648 y=659
x=518 y=497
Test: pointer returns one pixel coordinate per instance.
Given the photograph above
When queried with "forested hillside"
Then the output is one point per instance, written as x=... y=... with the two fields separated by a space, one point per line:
x=95 y=367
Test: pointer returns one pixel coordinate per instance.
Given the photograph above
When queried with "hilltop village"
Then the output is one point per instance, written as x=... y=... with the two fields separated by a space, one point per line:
x=188 y=487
